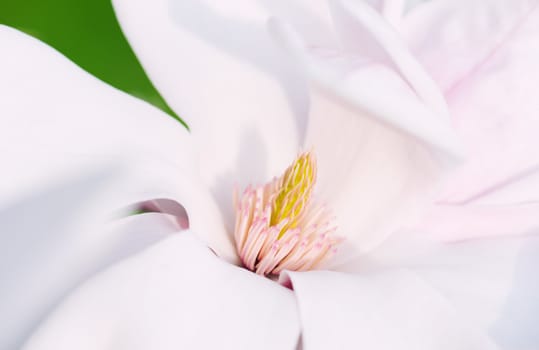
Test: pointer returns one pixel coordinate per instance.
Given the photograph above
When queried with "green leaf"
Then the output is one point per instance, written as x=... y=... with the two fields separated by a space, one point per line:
x=88 y=33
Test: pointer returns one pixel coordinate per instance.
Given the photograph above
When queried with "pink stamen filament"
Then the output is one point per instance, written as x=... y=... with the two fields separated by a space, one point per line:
x=279 y=226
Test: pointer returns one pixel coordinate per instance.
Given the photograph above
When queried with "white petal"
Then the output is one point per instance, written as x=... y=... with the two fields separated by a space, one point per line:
x=383 y=310
x=491 y=284
x=54 y=239
x=375 y=178
x=452 y=38
x=312 y=18
x=54 y=113
x=492 y=95
x=381 y=149
x=484 y=54
x=175 y=295
x=454 y=222
x=216 y=66
x=57 y=119
x=366 y=33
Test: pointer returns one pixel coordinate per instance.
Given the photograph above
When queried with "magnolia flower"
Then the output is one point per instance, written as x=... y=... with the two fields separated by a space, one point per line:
x=336 y=80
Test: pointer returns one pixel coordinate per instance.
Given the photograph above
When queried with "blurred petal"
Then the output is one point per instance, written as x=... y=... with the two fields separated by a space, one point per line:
x=448 y=222
x=175 y=295
x=416 y=294
x=312 y=18
x=493 y=284
x=391 y=10
x=57 y=119
x=452 y=38
x=380 y=310
x=484 y=55
x=166 y=206
x=55 y=114
x=216 y=66
x=54 y=239
x=374 y=177
x=378 y=161
x=366 y=33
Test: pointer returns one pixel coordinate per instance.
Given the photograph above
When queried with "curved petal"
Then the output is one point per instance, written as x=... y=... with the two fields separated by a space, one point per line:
x=494 y=283
x=491 y=284
x=449 y=222
x=165 y=206
x=175 y=295
x=391 y=10
x=52 y=110
x=216 y=66
x=57 y=119
x=366 y=33
x=484 y=55
x=381 y=150
x=375 y=178
x=312 y=18
x=452 y=38
x=382 y=310
x=54 y=239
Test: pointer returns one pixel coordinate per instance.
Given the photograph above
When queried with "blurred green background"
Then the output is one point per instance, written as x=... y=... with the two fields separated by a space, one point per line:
x=88 y=33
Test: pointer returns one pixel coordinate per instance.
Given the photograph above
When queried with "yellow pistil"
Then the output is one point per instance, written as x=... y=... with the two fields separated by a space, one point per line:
x=280 y=226
x=294 y=192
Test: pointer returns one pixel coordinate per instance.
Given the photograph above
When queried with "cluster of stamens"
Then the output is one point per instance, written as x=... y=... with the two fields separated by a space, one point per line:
x=280 y=226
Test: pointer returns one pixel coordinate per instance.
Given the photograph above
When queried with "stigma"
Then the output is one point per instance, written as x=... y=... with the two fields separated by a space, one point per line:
x=281 y=226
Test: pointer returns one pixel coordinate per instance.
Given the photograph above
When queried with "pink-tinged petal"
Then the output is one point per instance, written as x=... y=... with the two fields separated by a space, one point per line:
x=492 y=284
x=56 y=238
x=452 y=38
x=217 y=67
x=365 y=32
x=57 y=119
x=312 y=18
x=166 y=206
x=449 y=222
x=381 y=150
x=174 y=295
x=521 y=189
x=492 y=95
x=381 y=310
x=391 y=10
x=374 y=177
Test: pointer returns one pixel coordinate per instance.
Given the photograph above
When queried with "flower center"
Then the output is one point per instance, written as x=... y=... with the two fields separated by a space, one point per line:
x=280 y=226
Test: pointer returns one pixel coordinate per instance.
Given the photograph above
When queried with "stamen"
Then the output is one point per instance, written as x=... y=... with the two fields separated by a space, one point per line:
x=280 y=226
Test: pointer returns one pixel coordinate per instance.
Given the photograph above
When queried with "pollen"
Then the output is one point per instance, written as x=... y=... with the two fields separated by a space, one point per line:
x=282 y=226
